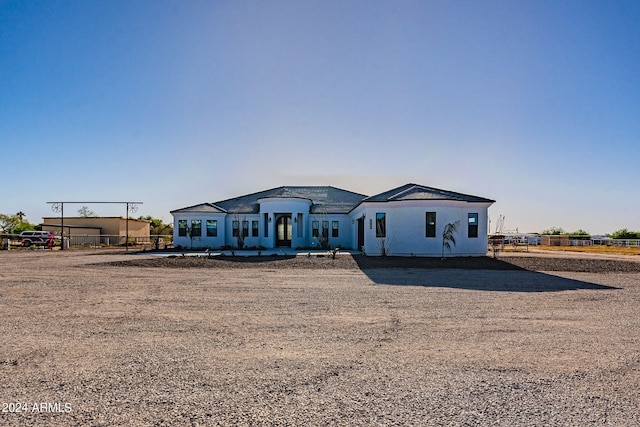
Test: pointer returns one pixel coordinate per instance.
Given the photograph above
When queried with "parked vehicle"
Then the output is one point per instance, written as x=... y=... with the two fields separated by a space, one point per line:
x=29 y=238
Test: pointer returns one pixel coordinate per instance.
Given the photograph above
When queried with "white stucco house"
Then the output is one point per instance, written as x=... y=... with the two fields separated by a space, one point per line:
x=404 y=221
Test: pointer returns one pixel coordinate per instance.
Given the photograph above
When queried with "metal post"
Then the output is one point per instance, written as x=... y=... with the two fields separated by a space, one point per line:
x=62 y=226
x=59 y=207
x=126 y=242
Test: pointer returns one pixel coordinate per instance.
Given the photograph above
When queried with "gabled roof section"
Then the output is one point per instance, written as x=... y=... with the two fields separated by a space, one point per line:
x=420 y=192
x=202 y=207
x=324 y=199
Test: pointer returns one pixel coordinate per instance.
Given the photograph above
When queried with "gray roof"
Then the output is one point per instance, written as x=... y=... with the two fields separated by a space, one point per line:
x=202 y=207
x=420 y=192
x=329 y=200
x=324 y=199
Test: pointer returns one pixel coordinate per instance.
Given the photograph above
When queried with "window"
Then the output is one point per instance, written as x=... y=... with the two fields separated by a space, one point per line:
x=236 y=228
x=431 y=224
x=473 y=225
x=381 y=225
x=182 y=227
x=334 y=228
x=325 y=229
x=212 y=228
x=266 y=225
x=196 y=228
x=245 y=228
x=314 y=229
x=254 y=228
x=300 y=226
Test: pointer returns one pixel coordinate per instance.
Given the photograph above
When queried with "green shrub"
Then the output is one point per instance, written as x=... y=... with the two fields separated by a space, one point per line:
x=625 y=234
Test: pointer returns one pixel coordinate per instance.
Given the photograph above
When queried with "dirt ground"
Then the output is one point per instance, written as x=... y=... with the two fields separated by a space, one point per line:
x=90 y=338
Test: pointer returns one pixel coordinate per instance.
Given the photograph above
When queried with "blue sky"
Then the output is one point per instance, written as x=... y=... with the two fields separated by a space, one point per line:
x=535 y=104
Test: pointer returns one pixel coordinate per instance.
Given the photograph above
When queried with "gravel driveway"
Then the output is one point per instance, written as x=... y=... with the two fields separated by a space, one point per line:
x=110 y=339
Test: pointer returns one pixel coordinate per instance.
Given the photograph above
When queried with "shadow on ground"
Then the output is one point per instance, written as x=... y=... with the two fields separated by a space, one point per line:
x=506 y=280
x=516 y=274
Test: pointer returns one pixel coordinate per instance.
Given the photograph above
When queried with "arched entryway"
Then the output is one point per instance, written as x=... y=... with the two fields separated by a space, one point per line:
x=284 y=230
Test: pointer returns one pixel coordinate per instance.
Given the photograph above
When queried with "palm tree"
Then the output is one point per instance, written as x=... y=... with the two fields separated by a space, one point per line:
x=447 y=236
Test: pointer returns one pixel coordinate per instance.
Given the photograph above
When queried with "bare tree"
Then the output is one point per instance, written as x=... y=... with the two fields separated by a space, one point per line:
x=386 y=244
x=322 y=217
x=241 y=221
x=158 y=235
x=194 y=231
x=85 y=212
x=323 y=235
x=190 y=236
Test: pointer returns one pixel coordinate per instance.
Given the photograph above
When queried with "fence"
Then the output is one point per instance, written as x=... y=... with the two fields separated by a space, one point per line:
x=626 y=242
x=13 y=241
x=605 y=242
x=500 y=243
x=515 y=242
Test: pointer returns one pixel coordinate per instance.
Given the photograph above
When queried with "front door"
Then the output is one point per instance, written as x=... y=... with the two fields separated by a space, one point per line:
x=283 y=230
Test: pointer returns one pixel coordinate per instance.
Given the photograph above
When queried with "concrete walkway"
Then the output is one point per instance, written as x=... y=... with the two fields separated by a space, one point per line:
x=248 y=253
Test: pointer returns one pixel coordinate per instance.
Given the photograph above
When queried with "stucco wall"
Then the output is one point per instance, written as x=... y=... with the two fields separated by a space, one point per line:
x=344 y=239
x=406 y=228
x=289 y=205
x=202 y=241
x=249 y=241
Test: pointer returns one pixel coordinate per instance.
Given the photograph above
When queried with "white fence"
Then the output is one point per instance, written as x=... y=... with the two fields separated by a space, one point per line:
x=518 y=241
x=13 y=241
x=605 y=242
x=626 y=242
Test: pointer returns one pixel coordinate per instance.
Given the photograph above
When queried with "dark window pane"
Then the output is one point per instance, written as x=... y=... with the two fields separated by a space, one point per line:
x=431 y=224
x=196 y=228
x=212 y=228
x=182 y=227
x=473 y=225
x=266 y=225
x=381 y=225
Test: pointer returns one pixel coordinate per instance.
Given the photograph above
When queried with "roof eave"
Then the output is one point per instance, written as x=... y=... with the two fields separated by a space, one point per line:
x=185 y=210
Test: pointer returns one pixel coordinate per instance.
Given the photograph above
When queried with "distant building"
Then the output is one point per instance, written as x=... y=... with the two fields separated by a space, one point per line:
x=408 y=220
x=554 y=240
x=98 y=230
